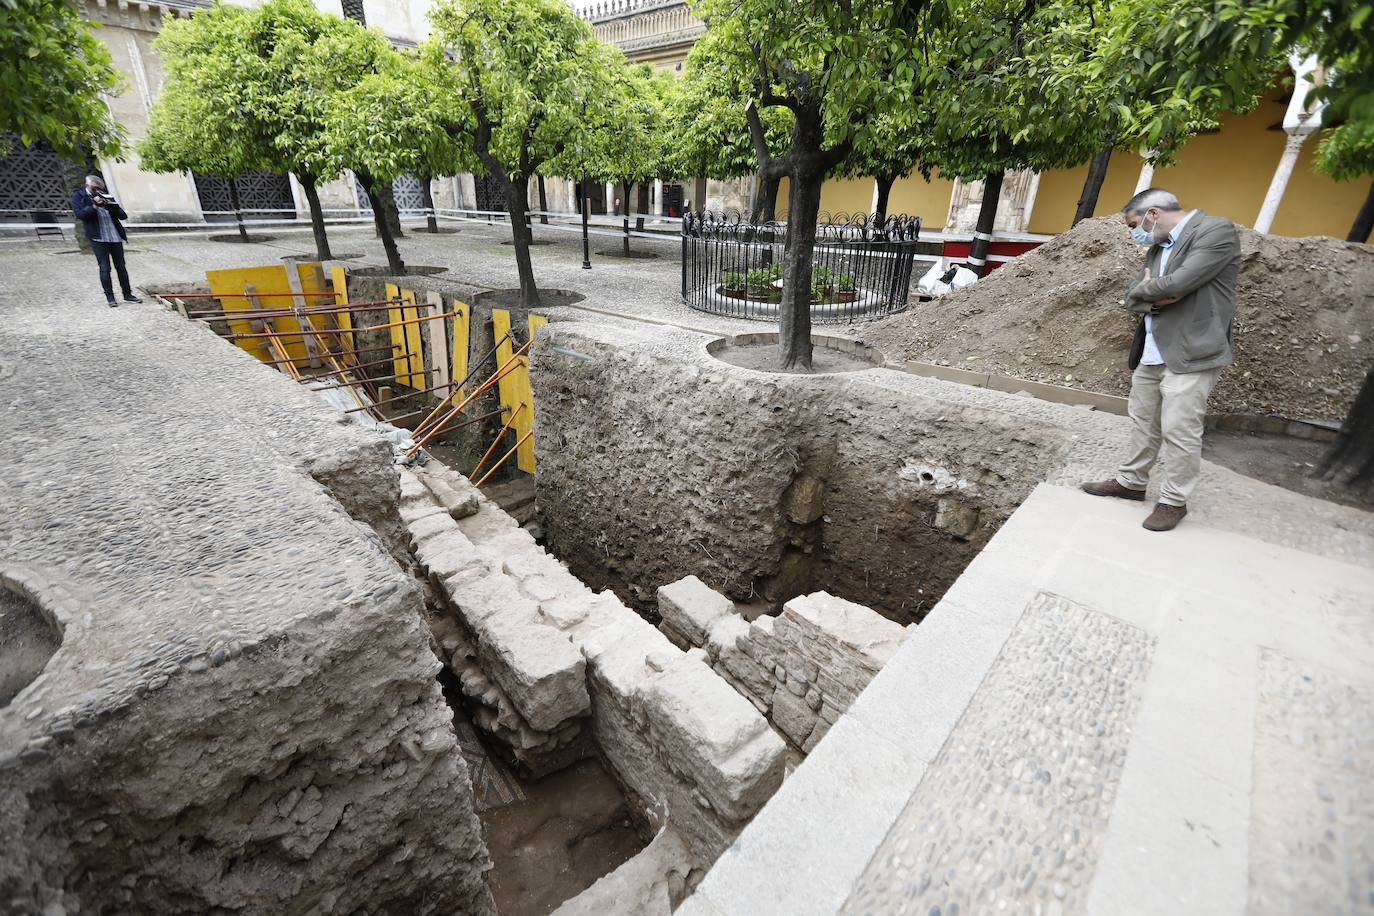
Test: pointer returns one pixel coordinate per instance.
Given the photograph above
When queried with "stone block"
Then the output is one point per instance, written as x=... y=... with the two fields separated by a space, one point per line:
x=537 y=666
x=816 y=735
x=792 y=716
x=717 y=736
x=477 y=597
x=541 y=588
x=528 y=560
x=567 y=611
x=804 y=501
x=848 y=624
x=691 y=607
x=430 y=525
x=459 y=502
x=415 y=510
x=957 y=518
x=446 y=554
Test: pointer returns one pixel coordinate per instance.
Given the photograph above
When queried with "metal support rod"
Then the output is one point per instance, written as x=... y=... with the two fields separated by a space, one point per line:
x=354 y=368
x=373 y=379
x=233 y=314
x=235 y=295
x=499 y=436
x=372 y=327
x=504 y=458
x=461 y=385
x=586 y=205
x=299 y=359
x=399 y=397
x=501 y=373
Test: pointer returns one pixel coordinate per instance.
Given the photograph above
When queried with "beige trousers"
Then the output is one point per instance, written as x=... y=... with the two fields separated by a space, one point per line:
x=1168 y=409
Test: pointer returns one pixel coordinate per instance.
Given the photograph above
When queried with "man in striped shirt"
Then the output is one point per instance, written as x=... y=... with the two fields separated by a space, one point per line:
x=102 y=217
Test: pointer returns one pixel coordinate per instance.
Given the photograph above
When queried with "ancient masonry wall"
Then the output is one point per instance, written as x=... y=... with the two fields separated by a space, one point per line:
x=801 y=668
x=555 y=671
x=656 y=462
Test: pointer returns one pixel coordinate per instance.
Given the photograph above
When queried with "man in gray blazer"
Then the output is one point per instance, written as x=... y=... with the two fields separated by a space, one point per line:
x=1186 y=297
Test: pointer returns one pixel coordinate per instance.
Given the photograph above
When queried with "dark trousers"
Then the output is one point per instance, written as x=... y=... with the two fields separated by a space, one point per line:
x=105 y=252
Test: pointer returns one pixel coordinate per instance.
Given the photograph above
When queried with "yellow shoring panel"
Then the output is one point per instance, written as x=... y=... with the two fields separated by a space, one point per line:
x=343 y=320
x=269 y=278
x=414 y=346
x=462 y=321
x=400 y=363
x=524 y=457
x=514 y=388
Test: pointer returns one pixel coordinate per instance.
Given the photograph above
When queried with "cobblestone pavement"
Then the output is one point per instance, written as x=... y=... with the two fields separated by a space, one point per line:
x=210 y=545
x=644 y=289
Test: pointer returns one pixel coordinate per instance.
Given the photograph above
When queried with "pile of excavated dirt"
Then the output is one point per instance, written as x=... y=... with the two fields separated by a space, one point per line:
x=1304 y=321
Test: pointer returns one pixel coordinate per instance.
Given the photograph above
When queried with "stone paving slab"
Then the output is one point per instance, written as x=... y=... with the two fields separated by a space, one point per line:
x=1096 y=719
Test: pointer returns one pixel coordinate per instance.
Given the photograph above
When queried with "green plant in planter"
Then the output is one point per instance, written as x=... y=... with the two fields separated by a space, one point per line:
x=846 y=283
x=734 y=280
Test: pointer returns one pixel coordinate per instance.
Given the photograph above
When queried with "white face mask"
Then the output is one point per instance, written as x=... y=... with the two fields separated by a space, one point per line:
x=1142 y=235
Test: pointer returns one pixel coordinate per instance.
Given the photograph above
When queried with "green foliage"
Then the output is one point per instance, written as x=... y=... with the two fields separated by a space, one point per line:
x=405 y=117
x=733 y=280
x=710 y=135
x=760 y=280
x=53 y=72
x=1339 y=32
x=527 y=75
x=250 y=89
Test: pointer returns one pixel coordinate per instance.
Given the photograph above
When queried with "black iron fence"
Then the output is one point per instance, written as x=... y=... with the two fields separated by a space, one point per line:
x=860 y=268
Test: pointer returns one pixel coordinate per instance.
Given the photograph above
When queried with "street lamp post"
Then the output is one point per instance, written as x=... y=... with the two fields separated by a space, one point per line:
x=586 y=246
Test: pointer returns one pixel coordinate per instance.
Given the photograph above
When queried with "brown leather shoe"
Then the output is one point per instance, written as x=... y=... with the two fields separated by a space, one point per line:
x=1112 y=488
x=1164 y=518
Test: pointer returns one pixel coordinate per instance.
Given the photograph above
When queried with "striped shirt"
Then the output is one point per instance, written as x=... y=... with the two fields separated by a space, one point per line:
x=107 y=231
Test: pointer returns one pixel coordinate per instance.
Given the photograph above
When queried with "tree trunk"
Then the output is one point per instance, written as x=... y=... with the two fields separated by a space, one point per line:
x=794 y=316
x=238 y=208
x=1092 y=186
x=766 y=203
x=374 y=195
x=987 y=218
x=1350 y=460
x=625 y=213
x=1364 y=220
x=543 y=201
x=641 y=206
x=312 y=197
x=885 y=183
x=427 y=195
x=517 y=205
x=387 y=199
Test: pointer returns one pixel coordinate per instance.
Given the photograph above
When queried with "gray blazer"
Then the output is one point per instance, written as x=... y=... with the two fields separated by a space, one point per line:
x=1194 y=333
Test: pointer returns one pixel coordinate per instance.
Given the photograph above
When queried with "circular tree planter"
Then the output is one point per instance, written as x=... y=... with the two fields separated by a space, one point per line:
x=761 y=353
x=29 y=636
x=315 y=257
x=235 y=237
x=533 y=242
x=634 y=255
x=510 y=298
x=412 y=270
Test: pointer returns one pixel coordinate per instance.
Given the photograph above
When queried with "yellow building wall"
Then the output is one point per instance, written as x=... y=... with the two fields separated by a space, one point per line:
x=1226 y=172
x=847 y=195
x=929 y=200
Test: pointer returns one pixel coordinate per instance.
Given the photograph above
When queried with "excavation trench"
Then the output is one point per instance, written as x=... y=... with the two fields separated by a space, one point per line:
x=767 y=486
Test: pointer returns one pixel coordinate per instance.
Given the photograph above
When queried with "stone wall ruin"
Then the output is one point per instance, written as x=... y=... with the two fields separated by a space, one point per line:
x=801 y=668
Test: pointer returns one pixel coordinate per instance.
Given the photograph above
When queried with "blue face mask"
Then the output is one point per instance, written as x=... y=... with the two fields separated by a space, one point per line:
x=1142 y=235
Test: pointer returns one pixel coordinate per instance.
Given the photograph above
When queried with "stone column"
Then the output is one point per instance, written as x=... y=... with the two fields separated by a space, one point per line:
x=298 y=197
x=656 y=204
x=1147 y=172
x=1299 y=122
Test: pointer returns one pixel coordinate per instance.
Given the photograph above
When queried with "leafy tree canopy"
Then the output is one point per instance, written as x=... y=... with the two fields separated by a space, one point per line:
x=53 y=73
